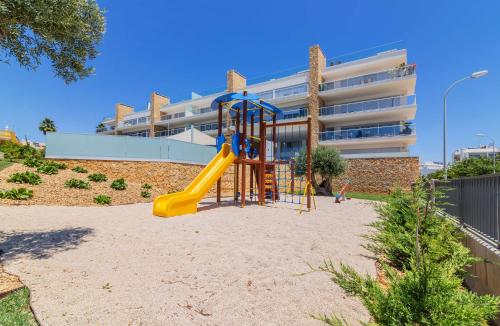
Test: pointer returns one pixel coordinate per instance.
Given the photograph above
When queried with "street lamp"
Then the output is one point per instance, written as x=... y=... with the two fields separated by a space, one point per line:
x=474 y=75
x=494 y=150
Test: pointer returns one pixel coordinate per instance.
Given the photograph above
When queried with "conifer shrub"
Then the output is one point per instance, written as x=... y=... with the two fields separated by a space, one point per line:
x=423 y=262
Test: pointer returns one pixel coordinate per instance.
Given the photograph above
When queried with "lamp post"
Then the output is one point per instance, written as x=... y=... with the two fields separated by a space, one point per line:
x=494 y=150
x=474 y=75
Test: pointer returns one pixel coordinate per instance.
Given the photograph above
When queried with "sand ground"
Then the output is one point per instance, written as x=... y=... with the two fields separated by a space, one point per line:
x=225 y=266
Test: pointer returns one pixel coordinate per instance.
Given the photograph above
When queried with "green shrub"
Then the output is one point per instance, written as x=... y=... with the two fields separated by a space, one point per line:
x=79 y=169
x=102 y=200
x=468 y=167
x=25 y=177
x=32 y=162
x=17 y=194
x=60 y=166
x=48 y=169
x=147 y=186
x=97 y=177
x=423 y=263
x=13 y=151
x=77 y=183
x=119 y=184
x=145 y=194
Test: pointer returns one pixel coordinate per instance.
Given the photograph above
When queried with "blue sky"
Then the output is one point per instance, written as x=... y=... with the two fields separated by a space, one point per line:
x=175 y=47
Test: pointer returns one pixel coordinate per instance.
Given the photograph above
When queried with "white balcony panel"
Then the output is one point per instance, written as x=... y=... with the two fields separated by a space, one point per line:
x=381 y=61
x=391 y=87
x=358 y=143
x=399 y=113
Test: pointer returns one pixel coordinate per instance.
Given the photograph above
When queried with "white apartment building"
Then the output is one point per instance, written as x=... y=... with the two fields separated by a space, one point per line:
x=481 y=151
x=430 y=167
x=364 y=107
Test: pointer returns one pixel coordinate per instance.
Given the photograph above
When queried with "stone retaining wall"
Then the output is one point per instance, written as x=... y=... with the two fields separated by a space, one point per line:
x=379 y=175
x=167 y=175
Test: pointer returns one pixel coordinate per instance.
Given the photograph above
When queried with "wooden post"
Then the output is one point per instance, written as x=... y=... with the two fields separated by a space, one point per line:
x=252 y=167
x=262 y=158
x=219 y=133
x=274 y=158
x=308 y=162
x=237 y=162
x=243 y=154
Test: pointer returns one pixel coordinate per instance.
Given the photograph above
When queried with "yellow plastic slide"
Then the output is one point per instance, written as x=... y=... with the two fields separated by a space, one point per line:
x=186 y=201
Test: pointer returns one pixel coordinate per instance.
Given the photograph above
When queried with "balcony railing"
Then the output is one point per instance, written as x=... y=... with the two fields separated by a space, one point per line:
x=169 y=132
x=397 y=73
x=105 y=129
x=372 y=105
x=134 y=122
x=370 y=132
x=284 y=92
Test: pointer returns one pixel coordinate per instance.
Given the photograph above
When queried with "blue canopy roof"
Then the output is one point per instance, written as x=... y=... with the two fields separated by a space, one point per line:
x=254 y=103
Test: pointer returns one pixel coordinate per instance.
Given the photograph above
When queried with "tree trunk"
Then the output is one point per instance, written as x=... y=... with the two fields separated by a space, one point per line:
x=324 y=188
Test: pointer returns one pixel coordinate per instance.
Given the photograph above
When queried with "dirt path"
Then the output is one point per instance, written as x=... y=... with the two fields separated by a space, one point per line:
x=225 y=266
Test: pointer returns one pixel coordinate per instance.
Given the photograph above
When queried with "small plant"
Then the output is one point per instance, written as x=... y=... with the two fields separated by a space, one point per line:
x=48 y=169
x=60 y=166
x=119 y=184
x=147 y=186
x=145 y=194
x=98 y=177
x=25 y=177
x=79 y=169
x=77 y=183
x=17 y=194
x=102 y=200
x=32 y=162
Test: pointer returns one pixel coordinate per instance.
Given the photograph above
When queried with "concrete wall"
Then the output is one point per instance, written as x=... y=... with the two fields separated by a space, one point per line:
x=379 y=175
x=485 y=278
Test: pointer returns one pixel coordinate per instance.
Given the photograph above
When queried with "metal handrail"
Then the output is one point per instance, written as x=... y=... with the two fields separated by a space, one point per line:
x=369 y=105
x=396 y=73
x=360 y=133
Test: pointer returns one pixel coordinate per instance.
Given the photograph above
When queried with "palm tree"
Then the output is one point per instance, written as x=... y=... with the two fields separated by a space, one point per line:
x=47 y=125
x=100 y=127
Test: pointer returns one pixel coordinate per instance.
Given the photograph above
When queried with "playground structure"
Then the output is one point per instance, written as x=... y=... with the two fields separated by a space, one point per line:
x=251 y=124
x=341 y=195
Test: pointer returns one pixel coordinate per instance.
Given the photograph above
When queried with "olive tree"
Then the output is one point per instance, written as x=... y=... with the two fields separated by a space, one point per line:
x=325 y=162
x=66 y=32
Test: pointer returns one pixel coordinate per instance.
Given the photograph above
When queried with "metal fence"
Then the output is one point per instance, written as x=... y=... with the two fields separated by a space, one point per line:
x=101 y=147
x=474 y=201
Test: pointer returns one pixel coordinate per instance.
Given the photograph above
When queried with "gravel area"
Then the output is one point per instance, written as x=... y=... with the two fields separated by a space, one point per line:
x=223 y=266
x=52 y=190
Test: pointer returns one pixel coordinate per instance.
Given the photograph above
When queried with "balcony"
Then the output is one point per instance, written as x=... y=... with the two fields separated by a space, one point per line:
x=133 y=123
x=285 y=94
x=169 y=132
x=105 y=129
x=395 y=135
x=396 y=81
x=397 y=108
